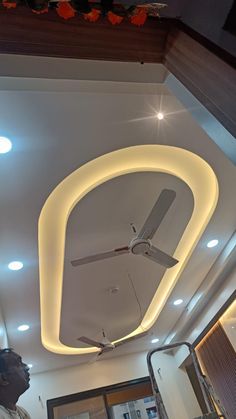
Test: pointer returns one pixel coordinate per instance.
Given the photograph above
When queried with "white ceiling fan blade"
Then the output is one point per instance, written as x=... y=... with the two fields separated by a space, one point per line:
x=95 y=358
x=90 y=342
x=100 y=256
x=157 y=214
x=160 y=257
x=132 y=338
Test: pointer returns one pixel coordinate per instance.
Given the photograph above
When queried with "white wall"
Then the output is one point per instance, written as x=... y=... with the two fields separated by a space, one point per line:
x=174 y=385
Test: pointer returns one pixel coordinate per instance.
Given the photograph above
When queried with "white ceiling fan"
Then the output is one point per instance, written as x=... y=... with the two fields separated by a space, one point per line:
x=105 y=345
x=141 y=244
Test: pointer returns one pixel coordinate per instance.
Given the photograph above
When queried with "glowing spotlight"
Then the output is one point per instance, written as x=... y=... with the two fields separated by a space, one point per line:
x=160 y=116
x=212 y=243
x=178 y=302
x=155 y=340
x=5 y=145
x=30 y=365
x=16 y=265
x=23 y=327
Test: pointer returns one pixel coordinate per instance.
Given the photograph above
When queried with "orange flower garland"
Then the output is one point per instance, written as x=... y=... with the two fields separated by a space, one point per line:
x=65 y=10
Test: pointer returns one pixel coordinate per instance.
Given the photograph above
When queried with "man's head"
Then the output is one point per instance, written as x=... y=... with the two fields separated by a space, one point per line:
x=14 y=374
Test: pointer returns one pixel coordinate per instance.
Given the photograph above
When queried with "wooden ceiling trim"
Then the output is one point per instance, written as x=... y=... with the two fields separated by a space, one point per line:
x=207 y=76
x=23 y=32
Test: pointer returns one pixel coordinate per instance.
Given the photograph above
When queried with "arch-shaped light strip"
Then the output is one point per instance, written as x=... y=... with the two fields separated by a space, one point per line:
x=189 y=167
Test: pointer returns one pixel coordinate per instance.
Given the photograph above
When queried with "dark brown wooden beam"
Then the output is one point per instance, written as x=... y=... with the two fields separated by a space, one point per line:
x=207 y=76
x=207 y=43
x=23 y=32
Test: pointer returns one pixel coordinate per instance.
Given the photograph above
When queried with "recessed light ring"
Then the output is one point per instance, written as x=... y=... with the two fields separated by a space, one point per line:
x=23 y=327
x=160 y=116
x=212 y=243
x=178 y=302
x=155 y=340
x=5 y=145
x=15 y=265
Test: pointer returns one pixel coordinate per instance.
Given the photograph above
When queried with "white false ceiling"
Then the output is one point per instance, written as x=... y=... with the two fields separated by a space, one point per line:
x=57 y=127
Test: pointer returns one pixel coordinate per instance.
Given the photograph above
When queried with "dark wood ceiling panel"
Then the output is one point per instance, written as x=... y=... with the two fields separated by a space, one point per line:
x=22 y=32
x=204 y=73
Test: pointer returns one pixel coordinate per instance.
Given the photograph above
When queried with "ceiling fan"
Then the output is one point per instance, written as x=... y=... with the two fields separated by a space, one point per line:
x=106 y=345
x=141 y=244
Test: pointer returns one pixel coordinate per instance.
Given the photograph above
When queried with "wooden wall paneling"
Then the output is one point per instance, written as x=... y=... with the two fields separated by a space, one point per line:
x=23 y=32
x=210 y=79
x=218 y=359
x=129 y=394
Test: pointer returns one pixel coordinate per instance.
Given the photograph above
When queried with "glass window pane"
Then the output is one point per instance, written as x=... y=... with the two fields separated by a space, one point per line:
x=138 y=409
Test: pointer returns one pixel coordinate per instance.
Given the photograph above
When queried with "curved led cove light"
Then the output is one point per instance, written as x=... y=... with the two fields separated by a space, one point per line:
x=187 y=166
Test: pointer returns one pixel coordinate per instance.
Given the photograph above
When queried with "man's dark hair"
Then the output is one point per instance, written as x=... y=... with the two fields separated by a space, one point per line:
x=3 y=365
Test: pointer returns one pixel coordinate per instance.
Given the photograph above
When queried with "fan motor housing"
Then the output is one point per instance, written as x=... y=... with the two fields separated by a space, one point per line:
x=140 y=246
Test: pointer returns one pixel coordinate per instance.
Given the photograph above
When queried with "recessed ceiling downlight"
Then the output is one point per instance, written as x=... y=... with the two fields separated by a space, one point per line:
x=212 y=243
x=155 y=340
x=16 y=265
x=160 y=116
x=23 y=327
x=5 y=145
x=178 y=302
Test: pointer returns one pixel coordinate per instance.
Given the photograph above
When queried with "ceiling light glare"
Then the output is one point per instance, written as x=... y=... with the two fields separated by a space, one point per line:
x=23 y=327
x=5 y=145
x=29 y=365
x=212 y=243
x=155 y=340
x=160 y=116
x=16 y=265
x=178 y=302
